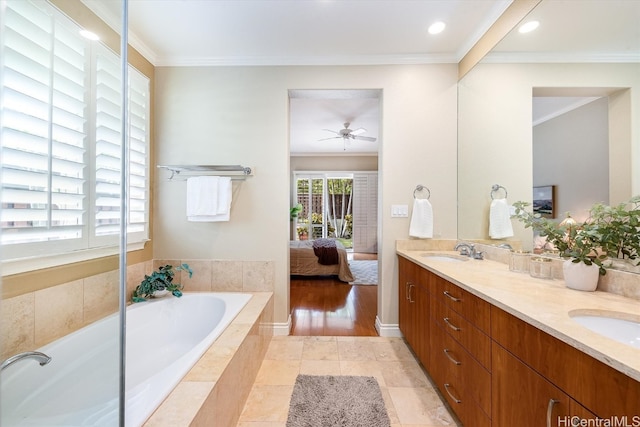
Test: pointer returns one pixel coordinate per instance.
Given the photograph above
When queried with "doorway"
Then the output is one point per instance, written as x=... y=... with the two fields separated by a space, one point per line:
x=334 y=139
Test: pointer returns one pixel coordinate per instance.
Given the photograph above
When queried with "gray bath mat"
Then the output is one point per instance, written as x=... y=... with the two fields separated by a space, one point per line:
x=328 y=401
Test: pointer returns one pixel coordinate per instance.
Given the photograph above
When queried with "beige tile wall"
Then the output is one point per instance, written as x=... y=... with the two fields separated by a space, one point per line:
x=34 y=319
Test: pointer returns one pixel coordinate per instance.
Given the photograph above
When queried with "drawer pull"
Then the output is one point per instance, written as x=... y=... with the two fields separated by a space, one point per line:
x=451 y=297
x=411 y=300
x=449 y=324
x=455 y=362
x=406 y=290
x=550 y=406
x=455 y=399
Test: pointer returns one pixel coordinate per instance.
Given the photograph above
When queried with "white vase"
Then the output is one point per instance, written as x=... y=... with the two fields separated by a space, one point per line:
x=580 y=276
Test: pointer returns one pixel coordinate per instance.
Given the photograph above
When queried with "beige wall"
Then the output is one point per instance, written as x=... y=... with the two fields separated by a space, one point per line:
x=570 y=150
x=334 y=163
x=239 y=115
x=495 y=132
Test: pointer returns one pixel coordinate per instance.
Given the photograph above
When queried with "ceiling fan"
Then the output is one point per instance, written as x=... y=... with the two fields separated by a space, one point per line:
x=347 y=134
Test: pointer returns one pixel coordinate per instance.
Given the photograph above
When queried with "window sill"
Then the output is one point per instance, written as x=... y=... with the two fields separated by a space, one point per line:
x=23 y=265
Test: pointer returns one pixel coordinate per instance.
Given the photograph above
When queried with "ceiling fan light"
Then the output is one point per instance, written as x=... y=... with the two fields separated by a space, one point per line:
x=437 y=27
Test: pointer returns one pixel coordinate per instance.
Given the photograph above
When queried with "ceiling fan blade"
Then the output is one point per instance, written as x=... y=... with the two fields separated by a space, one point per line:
x=358 y=131
x=332 y=131
x=331 y=137
x=365 y=138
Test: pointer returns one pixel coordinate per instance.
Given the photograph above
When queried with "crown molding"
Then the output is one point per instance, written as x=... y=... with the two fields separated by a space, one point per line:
x=307 y=60
x=567 y=58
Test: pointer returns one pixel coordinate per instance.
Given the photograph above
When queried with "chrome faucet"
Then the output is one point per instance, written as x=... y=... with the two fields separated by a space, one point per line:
x=469 y=250
x=464 y=248
x=42 y=358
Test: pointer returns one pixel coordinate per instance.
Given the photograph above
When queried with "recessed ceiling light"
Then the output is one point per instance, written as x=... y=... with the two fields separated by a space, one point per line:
x=437 y=27
x=89 y=35
x=528 y=26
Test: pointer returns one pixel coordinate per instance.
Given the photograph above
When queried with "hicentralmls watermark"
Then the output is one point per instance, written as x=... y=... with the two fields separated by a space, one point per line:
x=615 y=421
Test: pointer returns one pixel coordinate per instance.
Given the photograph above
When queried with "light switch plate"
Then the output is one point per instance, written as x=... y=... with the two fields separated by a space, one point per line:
x=399 y=211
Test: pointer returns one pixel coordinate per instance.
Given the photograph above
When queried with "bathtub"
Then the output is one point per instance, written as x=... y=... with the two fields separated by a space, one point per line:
x=79 y=387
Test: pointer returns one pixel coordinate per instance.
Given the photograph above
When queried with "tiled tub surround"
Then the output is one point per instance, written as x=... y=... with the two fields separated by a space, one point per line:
x=545 y=304
x=34 y=319
x=217 y=385
x=216 y=388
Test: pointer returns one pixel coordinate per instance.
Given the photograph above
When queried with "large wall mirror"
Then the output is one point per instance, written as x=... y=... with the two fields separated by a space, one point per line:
x=574 y=58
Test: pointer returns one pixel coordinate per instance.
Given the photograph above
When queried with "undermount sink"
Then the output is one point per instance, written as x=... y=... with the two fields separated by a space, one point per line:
x=621 y=327
x=444 y=257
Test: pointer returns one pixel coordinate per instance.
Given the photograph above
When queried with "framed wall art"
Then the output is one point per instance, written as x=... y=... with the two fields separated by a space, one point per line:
x=544 y=201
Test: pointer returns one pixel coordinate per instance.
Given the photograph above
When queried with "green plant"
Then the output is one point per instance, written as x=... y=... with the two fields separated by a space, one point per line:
x=619 y=228
x=161 y=279
x=295 y=211
x=302 y=230
x=609 y=232
x=580 y=242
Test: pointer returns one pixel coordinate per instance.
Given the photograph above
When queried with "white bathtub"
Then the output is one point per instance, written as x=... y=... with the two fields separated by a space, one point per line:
x=79 y=387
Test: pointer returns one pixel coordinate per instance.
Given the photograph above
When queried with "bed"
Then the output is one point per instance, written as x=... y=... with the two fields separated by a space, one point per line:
x=304 y=262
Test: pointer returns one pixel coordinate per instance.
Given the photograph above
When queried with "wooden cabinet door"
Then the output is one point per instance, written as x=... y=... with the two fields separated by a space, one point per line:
x=522 y=397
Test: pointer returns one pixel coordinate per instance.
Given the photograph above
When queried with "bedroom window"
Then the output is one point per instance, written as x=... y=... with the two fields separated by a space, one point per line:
x=326 y=201
x=60 y=142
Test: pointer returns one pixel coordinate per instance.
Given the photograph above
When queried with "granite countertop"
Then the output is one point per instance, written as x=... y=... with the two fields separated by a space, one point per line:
x=545 y=304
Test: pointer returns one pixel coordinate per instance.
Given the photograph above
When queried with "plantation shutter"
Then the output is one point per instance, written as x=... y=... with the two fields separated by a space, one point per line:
x=139 y=108
x=365 y=212
x=109 y=148
x=108 y=144
x=61 y=137
x=43 y=126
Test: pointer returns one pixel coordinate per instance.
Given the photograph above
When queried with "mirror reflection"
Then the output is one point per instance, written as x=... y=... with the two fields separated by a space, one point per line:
x=510 y=136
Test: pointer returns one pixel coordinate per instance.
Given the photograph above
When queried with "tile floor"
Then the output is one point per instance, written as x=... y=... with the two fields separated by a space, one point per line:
x=408 y=393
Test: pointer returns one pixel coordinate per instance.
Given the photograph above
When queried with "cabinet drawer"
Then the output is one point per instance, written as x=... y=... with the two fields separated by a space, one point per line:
x=474 y=309
x=468 y=411
x=471 y=338
x=467 y=372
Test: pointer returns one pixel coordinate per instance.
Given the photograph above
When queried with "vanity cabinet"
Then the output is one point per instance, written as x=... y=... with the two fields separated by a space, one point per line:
x=497 y=370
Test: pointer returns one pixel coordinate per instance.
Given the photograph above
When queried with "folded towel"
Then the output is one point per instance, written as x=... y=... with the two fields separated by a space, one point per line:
x=421 y=219
x=500 y=219
x=208 y=198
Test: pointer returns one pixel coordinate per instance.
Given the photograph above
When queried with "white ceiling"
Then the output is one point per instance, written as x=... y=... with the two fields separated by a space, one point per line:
x=346 y=32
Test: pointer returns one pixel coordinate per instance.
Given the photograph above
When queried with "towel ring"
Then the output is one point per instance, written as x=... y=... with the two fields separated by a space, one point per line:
x=420 y=188
x=496 y=187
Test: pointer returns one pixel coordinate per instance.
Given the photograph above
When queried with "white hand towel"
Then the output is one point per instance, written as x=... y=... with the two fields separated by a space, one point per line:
x=202 y=195
x=500 y=219
x=219 y=207
x=421 y=219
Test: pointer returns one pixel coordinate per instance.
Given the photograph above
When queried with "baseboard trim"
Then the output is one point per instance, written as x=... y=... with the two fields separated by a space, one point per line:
x=283 y=328
x=387 y=330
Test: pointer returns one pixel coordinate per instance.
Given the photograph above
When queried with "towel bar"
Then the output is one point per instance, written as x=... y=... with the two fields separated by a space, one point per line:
x=234 y=171
x=420 y=187
x=496 y=187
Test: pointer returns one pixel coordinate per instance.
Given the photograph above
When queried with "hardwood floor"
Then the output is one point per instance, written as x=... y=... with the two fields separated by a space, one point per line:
x=324 y=306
